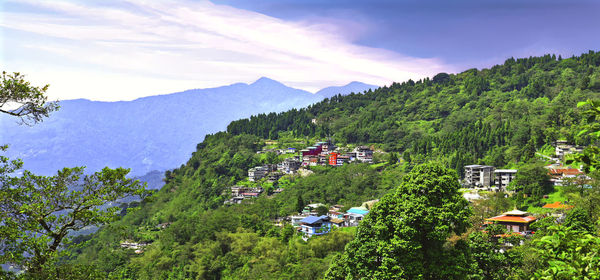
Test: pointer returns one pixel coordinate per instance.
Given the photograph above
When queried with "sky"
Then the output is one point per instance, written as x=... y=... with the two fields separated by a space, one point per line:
x=121 y=50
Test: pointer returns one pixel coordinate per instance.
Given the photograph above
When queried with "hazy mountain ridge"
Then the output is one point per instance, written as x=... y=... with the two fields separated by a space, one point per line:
x=149 y=133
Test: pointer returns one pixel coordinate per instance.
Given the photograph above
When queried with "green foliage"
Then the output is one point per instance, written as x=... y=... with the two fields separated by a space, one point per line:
x=499 y=115
x=533 y=179
x=565 y=254
x=578 y=219
x=38 y=212
x=403 y=236
x=490 y=262
x=18 y=98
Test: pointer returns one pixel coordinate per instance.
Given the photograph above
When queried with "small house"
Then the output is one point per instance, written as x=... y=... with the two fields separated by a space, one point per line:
x=515 y=220
x=313 y=225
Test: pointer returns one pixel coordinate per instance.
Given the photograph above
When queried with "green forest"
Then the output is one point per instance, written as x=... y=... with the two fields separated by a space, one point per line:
x=424 y=133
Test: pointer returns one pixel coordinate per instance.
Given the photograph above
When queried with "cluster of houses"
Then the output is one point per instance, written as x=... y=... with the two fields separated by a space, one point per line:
x=239 y=193
x=326 y=153
x=322 y=153
x=310 y=224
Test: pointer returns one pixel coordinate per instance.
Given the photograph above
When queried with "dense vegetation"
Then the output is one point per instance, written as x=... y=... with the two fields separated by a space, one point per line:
x=498 y=116
x=494 y=116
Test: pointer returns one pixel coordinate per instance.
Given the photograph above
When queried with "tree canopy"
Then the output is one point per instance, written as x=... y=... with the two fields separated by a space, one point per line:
x=403 y=236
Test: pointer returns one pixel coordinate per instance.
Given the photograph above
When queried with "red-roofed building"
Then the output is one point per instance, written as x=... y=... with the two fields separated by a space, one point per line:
x=515 y=220
x=564 y=172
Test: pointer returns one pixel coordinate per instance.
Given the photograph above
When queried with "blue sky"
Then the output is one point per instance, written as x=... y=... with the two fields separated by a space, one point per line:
x=121 y=50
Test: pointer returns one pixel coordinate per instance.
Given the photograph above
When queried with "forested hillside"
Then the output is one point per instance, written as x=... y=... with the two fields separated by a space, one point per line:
x=498 y=116
x=494 y=116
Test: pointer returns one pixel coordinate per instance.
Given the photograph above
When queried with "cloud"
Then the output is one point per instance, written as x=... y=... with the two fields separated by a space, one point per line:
x=121 y=51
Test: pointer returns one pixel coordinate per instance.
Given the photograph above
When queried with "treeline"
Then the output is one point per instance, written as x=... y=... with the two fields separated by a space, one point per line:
x=515 y=108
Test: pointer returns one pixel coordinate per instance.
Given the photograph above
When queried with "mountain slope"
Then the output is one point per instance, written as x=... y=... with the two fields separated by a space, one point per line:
x=151 y=133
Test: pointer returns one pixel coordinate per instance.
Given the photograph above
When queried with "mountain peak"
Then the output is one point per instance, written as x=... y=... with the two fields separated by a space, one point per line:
x=266 y=81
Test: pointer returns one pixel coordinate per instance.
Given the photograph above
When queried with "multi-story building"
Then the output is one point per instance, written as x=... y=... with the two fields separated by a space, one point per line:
x=289 y=165
x=257 y=173
x=479 y=175
x=364 y=154
x=503 y=177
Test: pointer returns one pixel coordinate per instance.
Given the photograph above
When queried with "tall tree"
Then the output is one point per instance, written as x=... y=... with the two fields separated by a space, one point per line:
x=403 y=236
x=38 y=212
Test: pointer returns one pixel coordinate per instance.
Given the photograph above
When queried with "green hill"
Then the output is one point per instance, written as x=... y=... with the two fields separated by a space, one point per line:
x=495 y=116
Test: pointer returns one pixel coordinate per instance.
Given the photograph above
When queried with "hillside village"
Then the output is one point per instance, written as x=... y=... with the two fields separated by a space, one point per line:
x=315 y=219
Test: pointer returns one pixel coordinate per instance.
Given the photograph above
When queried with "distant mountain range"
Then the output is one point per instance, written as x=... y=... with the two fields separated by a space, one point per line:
x=150 y=133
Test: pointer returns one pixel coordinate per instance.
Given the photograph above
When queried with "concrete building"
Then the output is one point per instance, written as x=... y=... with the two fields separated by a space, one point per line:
x=257 y=173
x=479 y=175
x=503 y=177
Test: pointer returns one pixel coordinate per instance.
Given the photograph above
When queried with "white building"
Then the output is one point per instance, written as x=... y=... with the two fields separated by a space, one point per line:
x=503 y=177
x=479 y=175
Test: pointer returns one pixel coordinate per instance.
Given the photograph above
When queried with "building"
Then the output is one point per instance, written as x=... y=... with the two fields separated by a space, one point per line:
x=333 y=159
x=503 y=177
x=354 y=215
x=562 y=148
x=313 y=226
x=289 y=165
x=274 y=176
x=237 y=190
x=364 y=154
x=515 y=221
x=479 y=175
x=257 y=173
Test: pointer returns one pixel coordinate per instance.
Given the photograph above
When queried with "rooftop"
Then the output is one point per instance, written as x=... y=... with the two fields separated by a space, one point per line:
x=557 y=205
x=314 y=219
x=512 y=219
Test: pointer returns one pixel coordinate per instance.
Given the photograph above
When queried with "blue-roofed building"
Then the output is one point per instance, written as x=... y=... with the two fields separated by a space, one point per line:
x=358 y=210
x=313 y=225
x=354 y=215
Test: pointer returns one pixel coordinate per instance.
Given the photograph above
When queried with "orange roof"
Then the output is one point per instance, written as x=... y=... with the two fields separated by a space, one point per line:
x=564 y=171
x=512 y=219
x=557 y=205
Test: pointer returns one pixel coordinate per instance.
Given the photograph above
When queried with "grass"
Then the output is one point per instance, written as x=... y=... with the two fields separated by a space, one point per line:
x=554 y=196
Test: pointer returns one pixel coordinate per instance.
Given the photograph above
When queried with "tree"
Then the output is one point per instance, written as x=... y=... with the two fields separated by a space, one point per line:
x=578 y=219
x=38 y=212
x=404 y=235
x=18 y=98
x=533 y=179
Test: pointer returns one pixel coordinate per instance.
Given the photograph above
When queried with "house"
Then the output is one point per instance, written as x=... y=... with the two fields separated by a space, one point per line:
x=237 y=190
x=333 y=159
x=314 y=226
x=250 y=194
x=289 y=165
x=503 y=177
x=274 y=177
x=352 y=219
x=364 y=154
x=562 y=148
x=257 y=173
x=354 y=215
x=515 y=221
x=559 y=174
x=337 y=222
x=479 y=175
